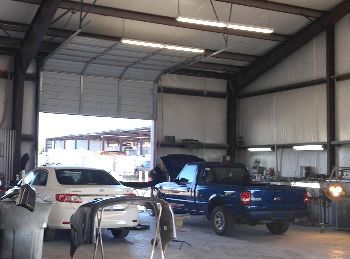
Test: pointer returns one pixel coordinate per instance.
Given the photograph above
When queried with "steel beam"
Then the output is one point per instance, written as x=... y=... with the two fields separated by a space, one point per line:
x=199 y=73
x=286 y=48
x=191 y=92
x=277 y=7
x=215 y=67
x=157 y=19
x=330 y=93
x=231 y=117
x=22 y=59
x=20 y=27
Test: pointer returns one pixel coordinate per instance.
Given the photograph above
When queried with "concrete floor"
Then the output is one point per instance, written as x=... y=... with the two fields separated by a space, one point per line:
x=245 y=242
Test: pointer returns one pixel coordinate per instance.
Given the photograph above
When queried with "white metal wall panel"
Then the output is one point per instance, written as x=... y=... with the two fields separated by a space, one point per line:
x=342 y=43
x=342 y=110
x=136 y=99
x=192 y=117
x=294 y=116
x=60 y=93
x=307 y=63
x=82 y=144
x=192 y=82
x=99 y=96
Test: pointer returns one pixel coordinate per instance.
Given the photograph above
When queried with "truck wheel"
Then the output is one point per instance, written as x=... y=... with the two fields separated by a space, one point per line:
x=278 y=227
x=222 y=221
x=49 y=234
x=120 y=232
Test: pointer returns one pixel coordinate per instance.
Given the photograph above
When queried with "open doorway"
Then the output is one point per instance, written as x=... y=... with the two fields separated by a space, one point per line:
x=116 y=145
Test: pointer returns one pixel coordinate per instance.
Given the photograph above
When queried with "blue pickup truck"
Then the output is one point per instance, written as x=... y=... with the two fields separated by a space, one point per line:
x=226 y=195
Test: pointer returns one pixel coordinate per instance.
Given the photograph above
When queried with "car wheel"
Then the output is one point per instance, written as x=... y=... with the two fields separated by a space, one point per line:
x=278 y=227
x=222 y=221
x=49 y=234
x=120 y=232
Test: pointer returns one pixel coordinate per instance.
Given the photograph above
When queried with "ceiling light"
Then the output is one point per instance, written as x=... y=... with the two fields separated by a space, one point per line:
x=180 y=48
x=249 y=28
x=201 y=22
x=309 y=147
x=143 y=43
x=259 y=149
x=233 y=26
x=161 y=46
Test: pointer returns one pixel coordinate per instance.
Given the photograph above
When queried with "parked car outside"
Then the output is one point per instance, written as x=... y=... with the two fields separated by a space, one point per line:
x=145 y=166
x=71 y=187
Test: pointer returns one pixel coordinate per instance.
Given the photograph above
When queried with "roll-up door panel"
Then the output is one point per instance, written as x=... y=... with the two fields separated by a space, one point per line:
x=60 y=93
x=98 y=96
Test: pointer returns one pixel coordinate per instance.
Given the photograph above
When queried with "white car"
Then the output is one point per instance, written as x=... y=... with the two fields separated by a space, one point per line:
x=70 y=187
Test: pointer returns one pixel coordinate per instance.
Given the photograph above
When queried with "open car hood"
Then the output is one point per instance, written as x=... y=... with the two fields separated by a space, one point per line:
x=175 y=162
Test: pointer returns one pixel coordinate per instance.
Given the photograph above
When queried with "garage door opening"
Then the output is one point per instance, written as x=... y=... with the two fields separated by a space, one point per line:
x=116 y=145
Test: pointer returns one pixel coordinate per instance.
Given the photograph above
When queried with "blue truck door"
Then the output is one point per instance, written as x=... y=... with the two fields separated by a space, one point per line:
x=181 y=194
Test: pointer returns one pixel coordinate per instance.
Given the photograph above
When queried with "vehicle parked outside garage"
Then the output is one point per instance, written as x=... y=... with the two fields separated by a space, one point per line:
x=70 y=187
x=145 y=166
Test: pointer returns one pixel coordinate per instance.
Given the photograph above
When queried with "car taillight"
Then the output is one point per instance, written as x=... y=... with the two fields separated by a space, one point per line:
x=73 y=198
x=306 y=197
x=245 y=198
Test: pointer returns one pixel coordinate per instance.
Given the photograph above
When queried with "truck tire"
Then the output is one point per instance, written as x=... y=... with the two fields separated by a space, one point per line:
x=120 y=232
x=49 y=234
x=222 y=221
x=278 y=227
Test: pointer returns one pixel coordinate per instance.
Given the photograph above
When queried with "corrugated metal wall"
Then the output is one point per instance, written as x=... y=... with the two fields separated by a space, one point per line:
x=7 y=140
x=99 y=96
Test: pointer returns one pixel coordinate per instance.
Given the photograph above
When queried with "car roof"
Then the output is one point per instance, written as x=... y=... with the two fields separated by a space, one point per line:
x=70 y=168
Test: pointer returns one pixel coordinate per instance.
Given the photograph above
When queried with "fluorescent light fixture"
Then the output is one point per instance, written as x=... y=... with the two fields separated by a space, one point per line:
x=312 y=185
x=201 y=22
x=259 y=149
x=233 y=26
x=143 y=43
x=161 y=46
x=309 y=147
x=243 y=27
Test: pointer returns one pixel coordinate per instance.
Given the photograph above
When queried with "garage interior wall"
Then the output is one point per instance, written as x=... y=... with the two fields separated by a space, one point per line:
x=342 y=66
x=288 y=117
x=29 y=116
x=192 y=117
x=298 y=116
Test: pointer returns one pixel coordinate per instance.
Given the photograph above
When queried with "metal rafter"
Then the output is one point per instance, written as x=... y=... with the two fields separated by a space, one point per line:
x=277 y=7
x=157 y=19
x=20 y=27
x=273 y=57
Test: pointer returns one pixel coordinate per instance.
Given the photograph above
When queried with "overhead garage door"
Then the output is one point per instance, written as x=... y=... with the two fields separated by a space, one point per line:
x=100 y=96
x=105 y=78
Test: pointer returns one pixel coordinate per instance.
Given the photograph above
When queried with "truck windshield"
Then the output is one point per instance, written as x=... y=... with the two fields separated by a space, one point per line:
x=225 y=175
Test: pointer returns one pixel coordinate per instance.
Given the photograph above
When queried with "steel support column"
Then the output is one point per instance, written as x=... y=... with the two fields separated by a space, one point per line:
x=330 y=72
x=17 y=109
x=231 y=121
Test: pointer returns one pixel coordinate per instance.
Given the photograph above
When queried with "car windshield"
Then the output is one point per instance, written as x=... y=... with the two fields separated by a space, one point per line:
x=84 y=177
x=225 y=175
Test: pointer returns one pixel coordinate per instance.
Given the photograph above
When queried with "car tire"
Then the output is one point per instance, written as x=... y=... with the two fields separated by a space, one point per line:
x=278 y=227
x=120 y=232
x=222 y=221
x=49 y=234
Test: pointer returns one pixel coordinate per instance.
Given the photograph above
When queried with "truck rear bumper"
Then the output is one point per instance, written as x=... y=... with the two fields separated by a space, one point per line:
x=268 y=216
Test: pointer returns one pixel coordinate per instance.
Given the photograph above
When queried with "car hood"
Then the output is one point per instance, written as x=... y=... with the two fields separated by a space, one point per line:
x=175 y=162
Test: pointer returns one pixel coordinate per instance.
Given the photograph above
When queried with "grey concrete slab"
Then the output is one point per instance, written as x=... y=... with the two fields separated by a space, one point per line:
x=245 y=242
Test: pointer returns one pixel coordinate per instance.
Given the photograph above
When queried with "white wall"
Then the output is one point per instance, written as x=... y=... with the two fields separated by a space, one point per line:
x=192 y=117
x=295 y=116
x=307 y=63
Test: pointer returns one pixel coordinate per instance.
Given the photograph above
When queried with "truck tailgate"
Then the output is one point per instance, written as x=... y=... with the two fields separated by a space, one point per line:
x=276 y=197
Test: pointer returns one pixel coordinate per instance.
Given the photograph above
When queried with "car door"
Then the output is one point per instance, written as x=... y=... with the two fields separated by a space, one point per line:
x=180 y=192
x=37 y=178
